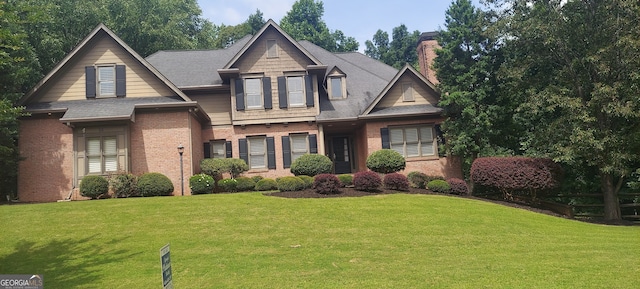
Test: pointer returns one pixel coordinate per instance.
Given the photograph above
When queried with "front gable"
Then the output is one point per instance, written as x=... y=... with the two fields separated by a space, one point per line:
x=77 y=76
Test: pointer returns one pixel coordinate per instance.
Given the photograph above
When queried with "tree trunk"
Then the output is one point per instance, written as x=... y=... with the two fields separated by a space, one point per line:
x=610 y=195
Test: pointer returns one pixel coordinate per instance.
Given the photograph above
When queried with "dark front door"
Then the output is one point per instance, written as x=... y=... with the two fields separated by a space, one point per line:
x=341 y=155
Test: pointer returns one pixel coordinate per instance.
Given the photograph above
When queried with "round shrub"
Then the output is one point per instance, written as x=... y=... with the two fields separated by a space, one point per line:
x=266 y=185
x=256 y=179
x=438 y=186
x=308 y=181
x=94 y=187
x=367 y=181
x=245 y=184
x=346 y=180
x=290 y=183
x=123 y=185
x=154 y=184
x=326 y=184
x=458 y=186
x=311 y=165
x=217 y=167
x=201 y=184
x=228 y=185
x=418 y=180
x=386 y=161
x=396 y=181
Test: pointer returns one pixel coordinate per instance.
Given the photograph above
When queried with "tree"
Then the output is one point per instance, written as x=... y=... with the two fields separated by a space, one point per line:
x=226 y=35
x=576 y=65
x=466 y=66
x=398 y=52
x=304 y=22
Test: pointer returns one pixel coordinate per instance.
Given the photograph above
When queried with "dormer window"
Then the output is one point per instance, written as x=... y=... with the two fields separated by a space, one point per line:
x=337 y=88
x=105 y=80
x=272 y=48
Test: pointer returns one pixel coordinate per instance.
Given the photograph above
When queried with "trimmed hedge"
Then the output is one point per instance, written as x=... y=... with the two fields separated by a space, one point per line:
x=217 y=167
x=308 y=181
x=517 y=175
x=154 y=184
x=266 y=185
x=367 y=181
x=311 y=165
x=386 y=161
x=346 y=180
x=201 y=184
x=458 y=186
x=123 y=185
x=439 y=186
x=290 y=183
x=418 y=180
x=94 y=187
x=228 y=185
x=245 y=184
x=326 y=184
x=396 y=181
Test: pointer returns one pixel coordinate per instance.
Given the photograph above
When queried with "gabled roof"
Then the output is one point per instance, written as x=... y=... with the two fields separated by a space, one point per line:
x=270 y=24
x=410 y=109
x=100 y=29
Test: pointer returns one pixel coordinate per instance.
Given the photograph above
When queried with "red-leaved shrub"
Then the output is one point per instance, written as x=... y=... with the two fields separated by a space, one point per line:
x=326 y=184
x=517 y=174
x=458 y=186
x=396 y=181
x=367 y=181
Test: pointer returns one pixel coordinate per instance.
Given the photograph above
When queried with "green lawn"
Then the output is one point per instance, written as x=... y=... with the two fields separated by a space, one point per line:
x=249 y=240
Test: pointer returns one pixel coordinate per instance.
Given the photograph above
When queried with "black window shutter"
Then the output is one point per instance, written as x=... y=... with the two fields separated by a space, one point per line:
x=207 y=150
x=308 y=87
x=286 y=152
x=229 y=150
x=384 y=134
x=282 y=91
x=271 y=153
x=239 y=94
x=266 y=91
x=313 y=144
x=90 y=81
x=121 y=80
x=242 y=147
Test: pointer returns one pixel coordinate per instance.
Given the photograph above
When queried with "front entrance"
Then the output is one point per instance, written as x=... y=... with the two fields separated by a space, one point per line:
x=341 y=154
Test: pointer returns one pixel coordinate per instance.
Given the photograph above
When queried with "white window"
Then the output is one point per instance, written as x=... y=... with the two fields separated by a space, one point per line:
x=272 y=48
x=414 y=141
x=106 y=80
x=336 y=88
x=253 y=92
x=102 y=155
x=295 y=90
x=257 y=152
x=219 y=149
x=407 y=92
x=299 y=145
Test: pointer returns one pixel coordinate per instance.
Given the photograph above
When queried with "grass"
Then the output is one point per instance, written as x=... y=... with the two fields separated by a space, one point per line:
x=249 y=240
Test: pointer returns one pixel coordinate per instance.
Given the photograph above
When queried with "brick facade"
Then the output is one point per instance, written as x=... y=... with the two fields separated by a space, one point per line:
x=427 y=45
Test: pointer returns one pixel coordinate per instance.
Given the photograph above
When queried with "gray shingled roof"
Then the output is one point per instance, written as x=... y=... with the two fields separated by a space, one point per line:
x=405 y=110
x=108 y=108
x=187 y=68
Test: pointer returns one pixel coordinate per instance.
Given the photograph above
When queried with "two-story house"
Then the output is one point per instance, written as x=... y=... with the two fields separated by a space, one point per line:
x=267 y=99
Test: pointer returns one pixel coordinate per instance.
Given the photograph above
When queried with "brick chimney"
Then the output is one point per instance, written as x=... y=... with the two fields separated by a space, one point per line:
x=427 y=45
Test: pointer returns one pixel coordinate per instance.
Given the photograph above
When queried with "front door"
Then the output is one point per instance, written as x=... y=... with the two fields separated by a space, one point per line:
x=341 y=148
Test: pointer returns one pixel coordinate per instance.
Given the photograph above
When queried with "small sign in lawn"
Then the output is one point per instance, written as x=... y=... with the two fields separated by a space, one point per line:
x=165 y=259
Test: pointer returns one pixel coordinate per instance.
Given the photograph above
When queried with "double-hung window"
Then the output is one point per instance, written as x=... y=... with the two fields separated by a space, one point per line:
x=413 y=141
x=257 y=152
x=295 y=90
x=106 y=80
x=299 y=145
x=102 y=155
x=253 y=92
x=218 y=149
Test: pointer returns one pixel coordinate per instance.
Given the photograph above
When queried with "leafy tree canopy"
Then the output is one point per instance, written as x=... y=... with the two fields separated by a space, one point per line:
x=397 y=52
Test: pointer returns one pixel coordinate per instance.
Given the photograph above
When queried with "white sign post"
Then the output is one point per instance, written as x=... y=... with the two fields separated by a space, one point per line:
x=165 y=259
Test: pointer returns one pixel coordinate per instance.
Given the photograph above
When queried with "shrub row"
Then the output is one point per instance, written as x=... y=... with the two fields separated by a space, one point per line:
x=126 y=185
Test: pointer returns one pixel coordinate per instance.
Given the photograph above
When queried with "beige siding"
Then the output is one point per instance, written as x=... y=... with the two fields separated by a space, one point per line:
x=289 y=59
x=217 y=106
x=70 y=82
x=421 y=93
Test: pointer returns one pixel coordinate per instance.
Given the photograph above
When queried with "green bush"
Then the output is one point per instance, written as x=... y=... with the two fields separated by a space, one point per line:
x=201 y=184
x=228 y=185
x=439 y=186
x=256 y=179
x=217 y=167
x=386 y=161
x=245 y=184
x=266 y=185
x=346 y=180
x=290 y=183
x=308 y=181
x=94 y=187
x=123 y=185
x=418 y=180
x=311 y=165
x=154 y=184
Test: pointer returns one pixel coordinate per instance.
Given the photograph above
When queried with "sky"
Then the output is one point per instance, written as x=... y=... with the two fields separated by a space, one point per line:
x=356 y=18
